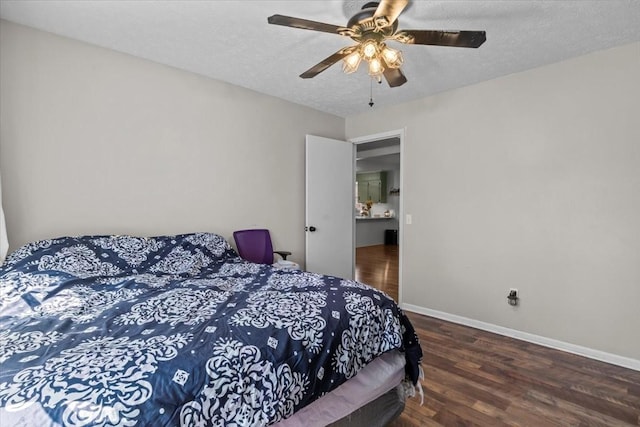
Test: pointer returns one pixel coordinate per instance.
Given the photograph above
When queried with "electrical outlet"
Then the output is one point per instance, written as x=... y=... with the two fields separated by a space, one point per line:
x=409 y=219
x=513 y=297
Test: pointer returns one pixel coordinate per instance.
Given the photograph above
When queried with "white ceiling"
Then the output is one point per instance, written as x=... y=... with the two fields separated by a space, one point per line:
x=231 y=40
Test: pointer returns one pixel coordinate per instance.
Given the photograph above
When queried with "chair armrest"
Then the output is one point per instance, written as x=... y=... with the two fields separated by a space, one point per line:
x=283 y=254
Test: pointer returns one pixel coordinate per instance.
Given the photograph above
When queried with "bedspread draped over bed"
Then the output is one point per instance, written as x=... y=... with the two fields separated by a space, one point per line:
x=178 y=330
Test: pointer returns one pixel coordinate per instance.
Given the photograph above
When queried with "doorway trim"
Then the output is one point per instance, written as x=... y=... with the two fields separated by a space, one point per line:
x=398 y=133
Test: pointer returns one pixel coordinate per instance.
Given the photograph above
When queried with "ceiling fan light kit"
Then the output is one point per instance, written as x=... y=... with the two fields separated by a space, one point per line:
x=370 y=28
x=377 y=54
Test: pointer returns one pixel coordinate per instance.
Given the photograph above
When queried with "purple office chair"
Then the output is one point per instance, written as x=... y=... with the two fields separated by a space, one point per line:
x=255 y=246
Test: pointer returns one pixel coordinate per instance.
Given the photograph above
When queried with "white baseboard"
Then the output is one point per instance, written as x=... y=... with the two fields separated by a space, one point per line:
x=602 y=356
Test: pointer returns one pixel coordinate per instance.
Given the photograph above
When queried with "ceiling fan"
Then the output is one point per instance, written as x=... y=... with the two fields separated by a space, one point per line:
x=375 y=24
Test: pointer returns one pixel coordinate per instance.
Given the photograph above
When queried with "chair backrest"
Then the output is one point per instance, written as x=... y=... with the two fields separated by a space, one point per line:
x=254 y=245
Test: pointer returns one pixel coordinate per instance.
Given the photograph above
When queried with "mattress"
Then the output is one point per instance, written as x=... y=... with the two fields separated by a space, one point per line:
x=374 y=380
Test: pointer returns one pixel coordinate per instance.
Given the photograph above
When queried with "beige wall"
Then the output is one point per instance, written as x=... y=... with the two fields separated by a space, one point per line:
x=94 y=141
x=530 y=181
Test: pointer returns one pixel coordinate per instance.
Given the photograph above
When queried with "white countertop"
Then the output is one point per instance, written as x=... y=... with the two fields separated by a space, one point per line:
x=368 y=218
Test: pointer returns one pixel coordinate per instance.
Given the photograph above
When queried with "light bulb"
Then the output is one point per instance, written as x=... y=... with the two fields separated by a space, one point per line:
x=392 y=57
x=351 y=62
x=369 y=49
x=375 y=67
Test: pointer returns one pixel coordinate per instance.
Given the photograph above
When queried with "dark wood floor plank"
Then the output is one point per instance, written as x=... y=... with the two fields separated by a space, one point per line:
x=616 y=398
x=634 y=390
x=476 y=378
x=378 y=267
x=472 y=390
x=577 y=411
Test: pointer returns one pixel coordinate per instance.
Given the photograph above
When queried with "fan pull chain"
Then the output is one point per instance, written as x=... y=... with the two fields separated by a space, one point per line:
x=379 y=80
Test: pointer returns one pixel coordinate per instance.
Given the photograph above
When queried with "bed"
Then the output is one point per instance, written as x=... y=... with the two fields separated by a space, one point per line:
x=178 y=330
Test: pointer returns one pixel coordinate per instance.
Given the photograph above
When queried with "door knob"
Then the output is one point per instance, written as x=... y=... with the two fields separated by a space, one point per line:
x=312 y=229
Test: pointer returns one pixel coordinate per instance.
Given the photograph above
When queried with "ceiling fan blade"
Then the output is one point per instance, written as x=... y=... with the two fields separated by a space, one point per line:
x=443 y=38
x=390 y=9
x=304 y=24
x=327 y=62
x=394 y=77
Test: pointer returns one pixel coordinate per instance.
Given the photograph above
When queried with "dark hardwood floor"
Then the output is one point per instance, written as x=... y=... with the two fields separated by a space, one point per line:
x=378 y=266
x=476 y=378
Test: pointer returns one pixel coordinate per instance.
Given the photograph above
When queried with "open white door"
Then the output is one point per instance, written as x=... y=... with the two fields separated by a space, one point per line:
x=329 y=207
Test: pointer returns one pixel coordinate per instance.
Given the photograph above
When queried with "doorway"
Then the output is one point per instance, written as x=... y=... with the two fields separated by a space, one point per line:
x=378 y=208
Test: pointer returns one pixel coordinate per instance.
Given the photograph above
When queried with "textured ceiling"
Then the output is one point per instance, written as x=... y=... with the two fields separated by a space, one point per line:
x=231 y=41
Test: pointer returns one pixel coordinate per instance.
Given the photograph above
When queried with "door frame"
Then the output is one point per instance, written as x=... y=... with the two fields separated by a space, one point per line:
x=398 y=133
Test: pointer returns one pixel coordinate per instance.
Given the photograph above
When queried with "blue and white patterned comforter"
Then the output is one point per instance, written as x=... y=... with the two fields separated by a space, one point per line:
x=178 y=330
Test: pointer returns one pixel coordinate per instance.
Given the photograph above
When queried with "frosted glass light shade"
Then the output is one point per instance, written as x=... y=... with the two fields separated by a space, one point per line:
x=369 y=49
x=392 y=57
x=351 y=63
x=375 y=67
